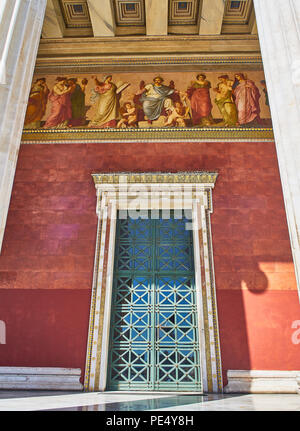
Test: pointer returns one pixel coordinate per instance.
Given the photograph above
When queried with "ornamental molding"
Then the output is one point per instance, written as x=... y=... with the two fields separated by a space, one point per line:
x=200 y=177
x=184 y=135
x=142 y=62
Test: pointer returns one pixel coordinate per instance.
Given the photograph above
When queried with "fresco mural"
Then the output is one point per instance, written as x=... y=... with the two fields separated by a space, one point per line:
x=149 y=100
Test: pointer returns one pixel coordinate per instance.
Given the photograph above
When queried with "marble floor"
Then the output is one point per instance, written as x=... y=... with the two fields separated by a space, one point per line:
x=112 y=401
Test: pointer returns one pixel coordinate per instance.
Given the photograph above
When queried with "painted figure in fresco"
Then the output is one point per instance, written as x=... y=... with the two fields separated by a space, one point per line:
x=177 y=115
x=138 y=103
x=155 y=98
x=225 y=102
x=77 y=101
x=201 y=105
x=263 y=83
x=37 y=104
x=106 y=99
x=176 y=95
x=129 y=116
x=61 y=109
x=246 y=96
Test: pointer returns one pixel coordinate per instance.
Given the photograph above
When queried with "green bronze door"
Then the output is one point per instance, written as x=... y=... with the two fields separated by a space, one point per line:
x=154 y=342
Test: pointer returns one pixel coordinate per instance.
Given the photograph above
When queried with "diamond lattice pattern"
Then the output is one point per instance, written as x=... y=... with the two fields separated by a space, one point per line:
x=154 y=341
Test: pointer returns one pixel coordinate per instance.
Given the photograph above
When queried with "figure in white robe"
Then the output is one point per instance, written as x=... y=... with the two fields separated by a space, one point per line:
x=155 y=97
x=106 y=102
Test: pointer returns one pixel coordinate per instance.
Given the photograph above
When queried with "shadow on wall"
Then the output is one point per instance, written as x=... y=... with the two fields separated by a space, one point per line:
x=256 y=312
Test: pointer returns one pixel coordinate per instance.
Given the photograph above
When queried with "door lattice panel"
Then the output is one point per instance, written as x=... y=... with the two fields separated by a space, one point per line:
x=154 y=341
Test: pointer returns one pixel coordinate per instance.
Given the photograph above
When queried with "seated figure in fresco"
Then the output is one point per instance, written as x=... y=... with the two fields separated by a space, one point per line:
x=201 y=105
x=37 y=104
x=225 y=102
x=155 y=98
x=61 y=108
x=77 y=101
x=246 y=97
x=177 y=115
x=129 y=116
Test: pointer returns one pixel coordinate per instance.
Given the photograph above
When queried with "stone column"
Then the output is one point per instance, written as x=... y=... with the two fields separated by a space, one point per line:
x=278 y=24
x=20 y=28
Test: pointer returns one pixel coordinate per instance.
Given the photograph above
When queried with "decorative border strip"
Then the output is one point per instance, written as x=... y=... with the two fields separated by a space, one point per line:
x=210 y=311
x=90 y=367
x=121 y=135
x=95 y=313
x=208 y=384
x=217 y=360
x=152 y=61
x=126 y=63
x=156 y=177
x=103 y=268
x=146 y=141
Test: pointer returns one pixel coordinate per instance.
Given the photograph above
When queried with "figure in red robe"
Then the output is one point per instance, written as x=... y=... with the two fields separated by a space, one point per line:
x=61 y=108
x=246 y=97
x=201 y=105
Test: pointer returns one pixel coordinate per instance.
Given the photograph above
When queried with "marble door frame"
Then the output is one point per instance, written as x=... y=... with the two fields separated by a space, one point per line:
x=115 y=192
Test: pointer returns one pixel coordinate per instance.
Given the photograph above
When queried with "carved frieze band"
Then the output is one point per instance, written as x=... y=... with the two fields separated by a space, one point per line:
x=162 y=178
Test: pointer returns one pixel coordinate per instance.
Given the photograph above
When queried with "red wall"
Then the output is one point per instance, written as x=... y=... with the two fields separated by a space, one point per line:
x=47 y=258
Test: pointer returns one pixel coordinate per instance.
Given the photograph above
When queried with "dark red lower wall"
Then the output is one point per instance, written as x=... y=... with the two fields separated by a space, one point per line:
x=45 y=327
x=47 y=259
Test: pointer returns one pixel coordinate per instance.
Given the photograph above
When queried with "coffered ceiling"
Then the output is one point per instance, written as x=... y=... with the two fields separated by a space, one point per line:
x=87 y=28
x=75 y=17
x=129 y=14
x=75 y=14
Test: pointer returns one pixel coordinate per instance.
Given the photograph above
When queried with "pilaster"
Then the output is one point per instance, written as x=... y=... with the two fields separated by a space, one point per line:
x=20 y=28
x=278 y=25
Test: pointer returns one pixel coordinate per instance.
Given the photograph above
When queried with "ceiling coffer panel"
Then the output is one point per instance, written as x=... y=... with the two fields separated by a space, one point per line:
x=129 y=13
x=183 y=12
x=75 y=14
x=237 y=12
